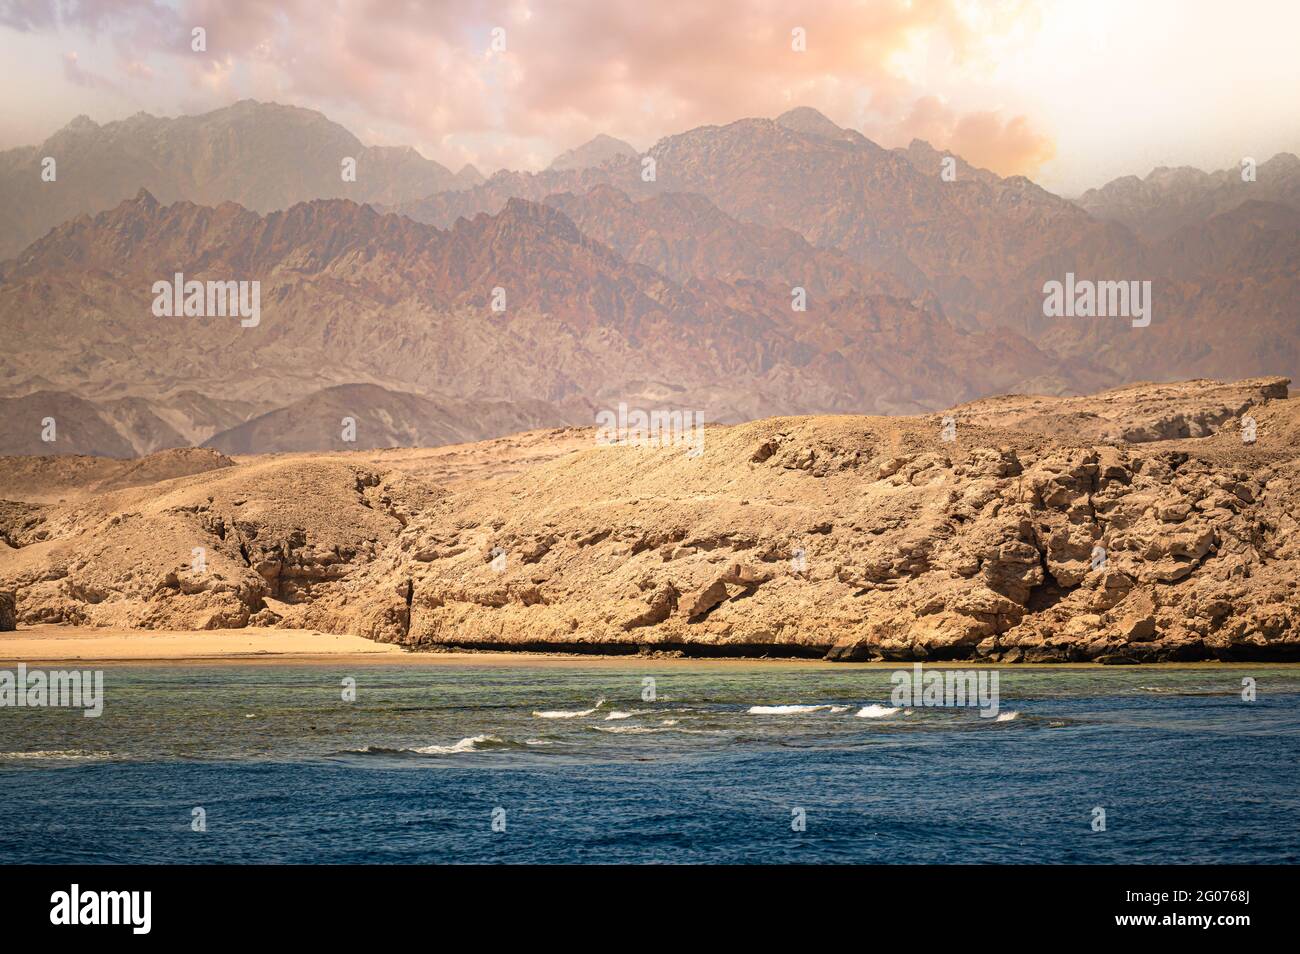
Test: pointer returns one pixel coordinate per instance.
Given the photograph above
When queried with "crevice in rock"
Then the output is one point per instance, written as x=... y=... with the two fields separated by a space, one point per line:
x=1047 y=594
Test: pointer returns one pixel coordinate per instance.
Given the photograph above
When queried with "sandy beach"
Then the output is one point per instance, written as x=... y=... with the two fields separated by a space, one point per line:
x=106 y=646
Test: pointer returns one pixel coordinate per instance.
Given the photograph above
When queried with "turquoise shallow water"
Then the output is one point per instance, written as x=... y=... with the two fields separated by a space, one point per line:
x=581 y=767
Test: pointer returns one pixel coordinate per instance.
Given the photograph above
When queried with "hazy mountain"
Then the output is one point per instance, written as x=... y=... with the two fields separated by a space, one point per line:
x=261 y=155
x=685 y=236
x=352 y=296
x=1170 y=199
x=584 y=286
x=984 y=247
x=592 y=153
x=1224 y=299
x=810 y=122
x=930 y=161
x=469 y=176
x=366 y=416
x=114 y=427
x=969 y=240
x=56 y=422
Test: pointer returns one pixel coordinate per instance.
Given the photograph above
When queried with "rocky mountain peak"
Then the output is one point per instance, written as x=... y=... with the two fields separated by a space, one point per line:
x=810 y=122
x=595 y=152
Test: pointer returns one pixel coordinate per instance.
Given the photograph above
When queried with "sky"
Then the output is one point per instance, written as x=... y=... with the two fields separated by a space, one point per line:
x=1072 y=93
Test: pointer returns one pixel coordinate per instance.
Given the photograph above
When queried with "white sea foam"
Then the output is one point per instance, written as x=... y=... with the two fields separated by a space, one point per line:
x=1006 y=716
x=793 y=710
x=627 y=729
x=56 y=755
x=654 y=730
x=470 y=744
x=874 y=711
x=568 y=713
x=616 y=714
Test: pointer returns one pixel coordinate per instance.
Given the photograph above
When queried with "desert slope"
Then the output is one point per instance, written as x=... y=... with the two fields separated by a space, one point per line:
x=845 y=536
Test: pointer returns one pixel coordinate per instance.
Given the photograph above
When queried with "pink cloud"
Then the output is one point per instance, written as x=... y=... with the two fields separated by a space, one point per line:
x=73 y=73
x=1006 y=145
x=570 y=69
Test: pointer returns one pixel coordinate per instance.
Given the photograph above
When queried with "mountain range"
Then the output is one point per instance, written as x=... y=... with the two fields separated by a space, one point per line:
x=264 y=156
x=760 y=268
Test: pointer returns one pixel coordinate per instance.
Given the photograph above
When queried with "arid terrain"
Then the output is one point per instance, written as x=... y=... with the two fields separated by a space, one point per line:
x=339 y=462
x=771 y=266
x=1135 y=525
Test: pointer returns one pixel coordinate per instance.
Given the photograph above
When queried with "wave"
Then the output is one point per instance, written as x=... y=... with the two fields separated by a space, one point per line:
x=473 y=743
x=628 y=729
x=1007 y=716
x=568 y=713
x=654 y=730
x=616 y=714
x=874 y=711
x=470 y=744
x=793 y=709
x=55 y=755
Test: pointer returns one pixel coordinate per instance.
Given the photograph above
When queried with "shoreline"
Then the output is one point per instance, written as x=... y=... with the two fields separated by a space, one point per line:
x=55 y=645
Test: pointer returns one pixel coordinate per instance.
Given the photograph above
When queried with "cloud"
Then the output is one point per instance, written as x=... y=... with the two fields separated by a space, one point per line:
x=1006 y=145
x=427 y=74
x=77 y=76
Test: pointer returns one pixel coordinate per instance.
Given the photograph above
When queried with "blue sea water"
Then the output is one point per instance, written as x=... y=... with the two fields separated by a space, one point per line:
x=582 y=768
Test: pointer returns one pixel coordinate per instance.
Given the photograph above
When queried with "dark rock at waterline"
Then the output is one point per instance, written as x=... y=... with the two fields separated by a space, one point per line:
x=8 y=612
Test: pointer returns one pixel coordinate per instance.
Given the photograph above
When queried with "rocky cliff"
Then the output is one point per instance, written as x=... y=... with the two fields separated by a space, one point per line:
x=1136 y=525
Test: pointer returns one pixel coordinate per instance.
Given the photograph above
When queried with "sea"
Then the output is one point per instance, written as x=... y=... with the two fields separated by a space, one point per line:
x=652 y=761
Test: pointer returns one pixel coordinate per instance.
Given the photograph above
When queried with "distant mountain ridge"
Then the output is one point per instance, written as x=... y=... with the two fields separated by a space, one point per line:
x=366 y=417
x=351 y=296
x=1170 y=199
x=762 y=267
x=592 y=153
x=262 y=155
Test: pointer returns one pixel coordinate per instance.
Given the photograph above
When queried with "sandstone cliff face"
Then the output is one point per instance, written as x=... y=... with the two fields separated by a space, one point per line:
x=1026 y=538
x=213 y=550
x=862 y=538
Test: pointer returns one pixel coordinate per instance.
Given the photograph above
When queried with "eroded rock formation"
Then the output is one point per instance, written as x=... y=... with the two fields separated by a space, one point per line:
x=849 y=537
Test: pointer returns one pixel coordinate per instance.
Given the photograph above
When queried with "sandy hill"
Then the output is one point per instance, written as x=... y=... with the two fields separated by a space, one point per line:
x=1136 y=526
